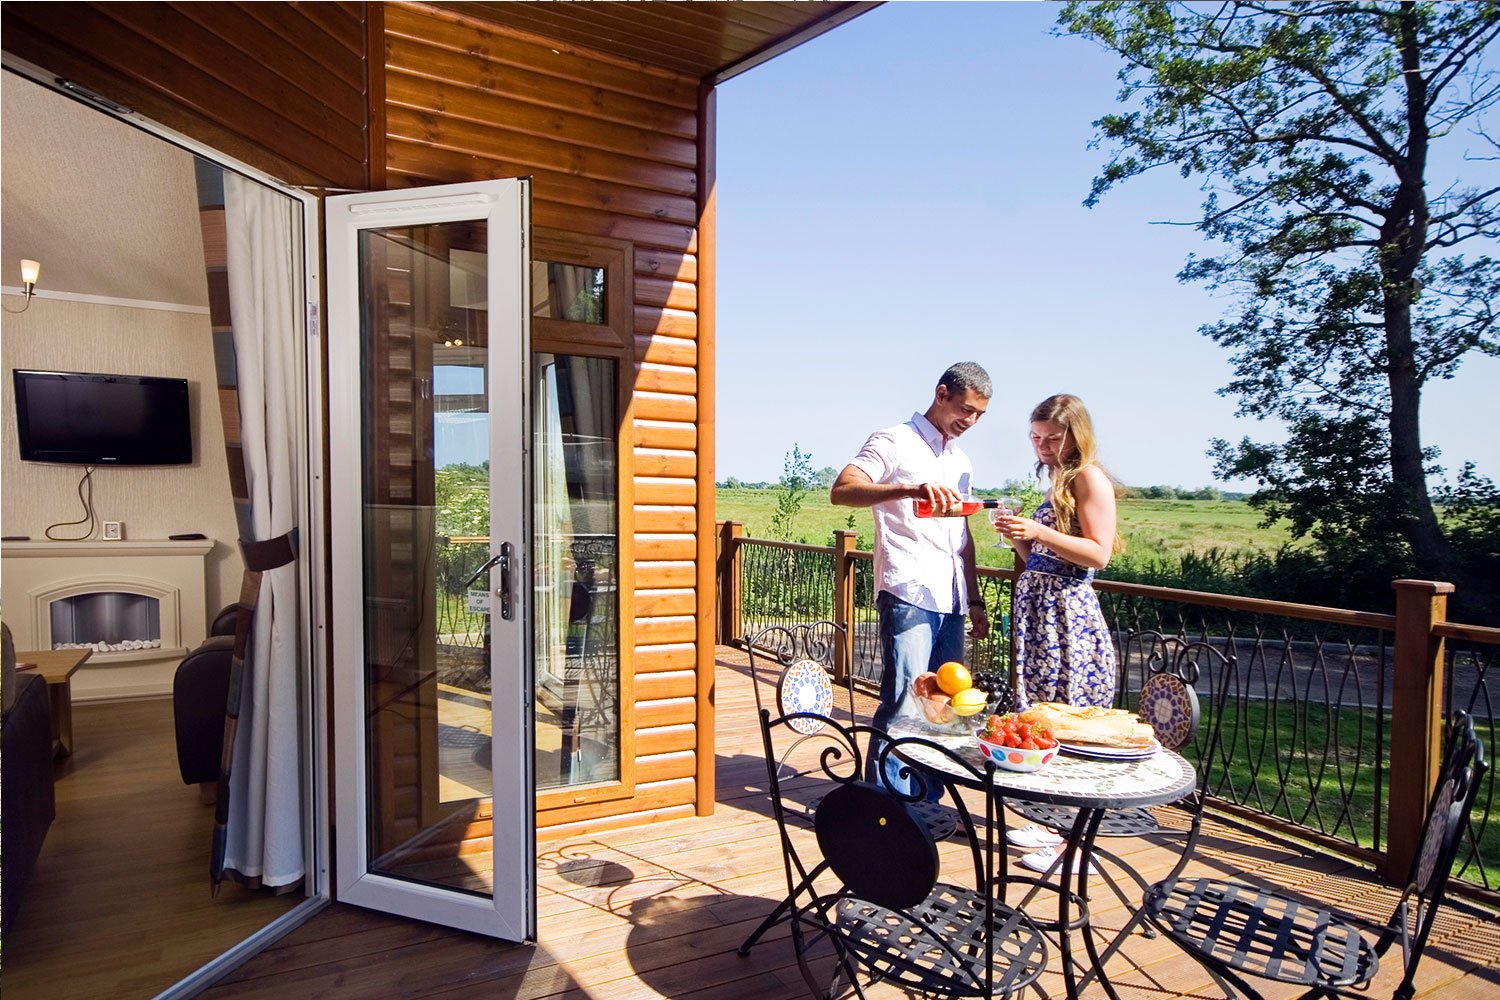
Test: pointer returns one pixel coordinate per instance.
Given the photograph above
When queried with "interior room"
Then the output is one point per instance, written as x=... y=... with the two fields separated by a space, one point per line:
x=117 y=220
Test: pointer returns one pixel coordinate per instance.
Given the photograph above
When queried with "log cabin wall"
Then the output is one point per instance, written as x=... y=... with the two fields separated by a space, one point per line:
x=613 y=150
x=281 y=87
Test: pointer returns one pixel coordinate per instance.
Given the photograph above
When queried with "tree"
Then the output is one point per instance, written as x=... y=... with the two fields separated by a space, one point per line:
x=797 y=480
x=1311 y=127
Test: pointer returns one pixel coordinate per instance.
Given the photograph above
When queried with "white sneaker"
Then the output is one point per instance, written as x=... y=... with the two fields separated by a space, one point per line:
x=1040 y=861
x=1032 y=835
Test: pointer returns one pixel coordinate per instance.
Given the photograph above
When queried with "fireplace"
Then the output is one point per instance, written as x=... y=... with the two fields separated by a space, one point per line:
x=107 y=622
x=139 y=605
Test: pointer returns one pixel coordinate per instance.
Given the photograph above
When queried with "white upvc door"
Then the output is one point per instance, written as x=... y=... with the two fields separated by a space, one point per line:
x=428 y=360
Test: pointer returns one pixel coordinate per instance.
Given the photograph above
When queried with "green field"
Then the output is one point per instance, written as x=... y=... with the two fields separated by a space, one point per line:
x=1151 y=528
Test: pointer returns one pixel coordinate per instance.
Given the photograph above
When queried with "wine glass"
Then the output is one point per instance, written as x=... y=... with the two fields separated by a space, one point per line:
x=1007 y=507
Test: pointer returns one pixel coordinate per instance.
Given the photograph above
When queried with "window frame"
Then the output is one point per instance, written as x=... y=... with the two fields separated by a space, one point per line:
x=615 y=340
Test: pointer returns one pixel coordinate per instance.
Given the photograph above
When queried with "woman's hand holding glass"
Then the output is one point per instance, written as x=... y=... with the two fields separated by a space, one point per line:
x=1008 y=507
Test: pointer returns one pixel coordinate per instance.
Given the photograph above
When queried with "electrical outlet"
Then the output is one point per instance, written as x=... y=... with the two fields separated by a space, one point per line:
x=113 y=531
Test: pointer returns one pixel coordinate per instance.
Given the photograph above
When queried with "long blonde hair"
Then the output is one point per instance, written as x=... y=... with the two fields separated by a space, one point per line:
x=1078 y=435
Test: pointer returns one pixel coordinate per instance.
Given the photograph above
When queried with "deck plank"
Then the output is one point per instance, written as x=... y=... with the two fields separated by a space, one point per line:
x=658 y=911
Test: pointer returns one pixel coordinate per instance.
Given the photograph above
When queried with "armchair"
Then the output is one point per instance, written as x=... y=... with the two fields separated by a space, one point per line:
x=30 y=802
x=200 y=692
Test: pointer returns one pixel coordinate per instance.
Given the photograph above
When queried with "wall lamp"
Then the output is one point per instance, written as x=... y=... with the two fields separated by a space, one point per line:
x=30 y=269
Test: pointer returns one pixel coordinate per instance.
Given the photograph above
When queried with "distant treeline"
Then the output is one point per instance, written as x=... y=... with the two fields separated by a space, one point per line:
x=824 y=478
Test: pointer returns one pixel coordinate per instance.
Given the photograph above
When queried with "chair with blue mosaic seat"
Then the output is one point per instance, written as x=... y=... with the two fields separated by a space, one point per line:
x=1237 y=930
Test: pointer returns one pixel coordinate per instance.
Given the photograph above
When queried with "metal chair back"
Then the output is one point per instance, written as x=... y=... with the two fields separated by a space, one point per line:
x=793 y=664
x=807 y=755
x=1461 y=775
x=776 y=650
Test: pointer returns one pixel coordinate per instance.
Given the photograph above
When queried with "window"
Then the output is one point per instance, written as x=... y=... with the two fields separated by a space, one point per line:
x=583 y=349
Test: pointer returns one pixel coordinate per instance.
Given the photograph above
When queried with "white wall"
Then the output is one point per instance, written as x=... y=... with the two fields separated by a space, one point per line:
x=65 y=335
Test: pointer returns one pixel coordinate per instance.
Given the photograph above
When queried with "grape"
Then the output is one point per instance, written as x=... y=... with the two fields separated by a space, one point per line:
x=994 y=684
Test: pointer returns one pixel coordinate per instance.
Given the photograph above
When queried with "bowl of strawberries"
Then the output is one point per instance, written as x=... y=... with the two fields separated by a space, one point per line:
x=1016 y=745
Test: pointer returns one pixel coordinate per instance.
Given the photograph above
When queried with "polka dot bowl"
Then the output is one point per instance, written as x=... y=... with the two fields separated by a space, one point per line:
x=1014 y=758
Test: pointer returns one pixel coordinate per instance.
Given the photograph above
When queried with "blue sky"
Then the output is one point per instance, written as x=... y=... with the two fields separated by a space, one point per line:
x=905 y=192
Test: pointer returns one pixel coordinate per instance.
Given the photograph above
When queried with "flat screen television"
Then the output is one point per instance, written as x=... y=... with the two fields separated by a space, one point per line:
x=84 y=418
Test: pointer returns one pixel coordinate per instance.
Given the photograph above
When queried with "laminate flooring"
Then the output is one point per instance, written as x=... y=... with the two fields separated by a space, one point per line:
x=120 y=905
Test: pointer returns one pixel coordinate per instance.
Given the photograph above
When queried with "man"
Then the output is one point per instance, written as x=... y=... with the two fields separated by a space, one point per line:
x=925 y=580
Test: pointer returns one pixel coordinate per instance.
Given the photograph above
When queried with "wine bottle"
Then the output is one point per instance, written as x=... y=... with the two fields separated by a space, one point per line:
x=924 y=508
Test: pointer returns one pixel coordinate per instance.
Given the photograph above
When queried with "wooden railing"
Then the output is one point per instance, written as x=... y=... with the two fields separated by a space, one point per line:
x=1352 y=704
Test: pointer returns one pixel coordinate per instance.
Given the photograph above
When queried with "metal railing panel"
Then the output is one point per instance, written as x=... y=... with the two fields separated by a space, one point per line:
x=784 y=583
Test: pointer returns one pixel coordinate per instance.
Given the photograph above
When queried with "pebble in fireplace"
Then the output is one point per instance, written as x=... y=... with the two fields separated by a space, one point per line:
x=110 y=622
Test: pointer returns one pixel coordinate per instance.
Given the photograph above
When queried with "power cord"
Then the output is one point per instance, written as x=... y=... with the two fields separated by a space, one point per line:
x=89 y=517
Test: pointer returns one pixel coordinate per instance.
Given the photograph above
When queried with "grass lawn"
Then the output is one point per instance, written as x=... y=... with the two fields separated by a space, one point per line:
x=1151 y=528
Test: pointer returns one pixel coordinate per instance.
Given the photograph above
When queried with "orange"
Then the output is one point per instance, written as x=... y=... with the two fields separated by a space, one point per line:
x=953 y=677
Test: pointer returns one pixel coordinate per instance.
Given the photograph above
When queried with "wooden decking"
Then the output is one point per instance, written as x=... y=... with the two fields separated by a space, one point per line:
x=658 y=911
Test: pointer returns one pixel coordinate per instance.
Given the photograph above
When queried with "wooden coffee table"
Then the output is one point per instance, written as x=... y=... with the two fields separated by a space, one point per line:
x=57 y=667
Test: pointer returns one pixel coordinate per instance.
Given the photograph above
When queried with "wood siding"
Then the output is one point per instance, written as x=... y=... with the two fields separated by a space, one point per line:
x=279 y=86
x=613 y=150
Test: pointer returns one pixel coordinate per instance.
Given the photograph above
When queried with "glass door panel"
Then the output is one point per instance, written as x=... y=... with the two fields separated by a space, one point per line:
x=576 y=474
x=432 y=666
x=427 y=721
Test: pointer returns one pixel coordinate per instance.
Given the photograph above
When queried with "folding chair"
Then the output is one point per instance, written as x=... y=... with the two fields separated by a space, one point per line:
x=1238 y=930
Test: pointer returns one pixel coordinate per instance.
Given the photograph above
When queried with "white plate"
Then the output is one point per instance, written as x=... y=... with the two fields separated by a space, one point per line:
x=1110 y=753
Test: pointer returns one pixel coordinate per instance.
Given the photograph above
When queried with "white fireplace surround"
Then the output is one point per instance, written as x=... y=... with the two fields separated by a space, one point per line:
x=36 y=574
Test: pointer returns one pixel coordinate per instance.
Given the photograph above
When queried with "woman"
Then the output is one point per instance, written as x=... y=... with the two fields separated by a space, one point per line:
x=1063 y=649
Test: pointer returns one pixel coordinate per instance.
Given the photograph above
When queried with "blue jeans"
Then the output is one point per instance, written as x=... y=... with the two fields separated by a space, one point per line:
x=912 y=641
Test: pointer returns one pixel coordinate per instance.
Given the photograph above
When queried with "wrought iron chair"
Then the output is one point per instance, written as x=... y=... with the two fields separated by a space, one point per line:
x=892 y=919
x=1169 y=702
x=797 y=662
x=1237 y=930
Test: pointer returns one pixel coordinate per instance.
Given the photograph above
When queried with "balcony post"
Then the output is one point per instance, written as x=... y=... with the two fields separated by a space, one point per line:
x=730 y=591
x=843 y=602
x=1416 y=717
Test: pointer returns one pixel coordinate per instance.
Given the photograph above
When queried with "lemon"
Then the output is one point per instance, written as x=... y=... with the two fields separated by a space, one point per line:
x=968 y=701
x=954 y=677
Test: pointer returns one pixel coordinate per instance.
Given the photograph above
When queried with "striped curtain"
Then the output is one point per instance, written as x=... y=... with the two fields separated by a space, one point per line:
x=216 y=262
x=258 y=824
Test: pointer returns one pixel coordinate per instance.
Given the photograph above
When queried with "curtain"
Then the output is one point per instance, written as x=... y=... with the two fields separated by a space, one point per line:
x=554 y=530
x=264 y=840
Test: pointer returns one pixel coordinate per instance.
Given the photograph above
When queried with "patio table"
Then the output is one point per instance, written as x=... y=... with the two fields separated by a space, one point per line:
x=1092 y=787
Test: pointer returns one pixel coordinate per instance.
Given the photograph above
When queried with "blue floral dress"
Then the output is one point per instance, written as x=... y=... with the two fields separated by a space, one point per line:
x=1063 y=648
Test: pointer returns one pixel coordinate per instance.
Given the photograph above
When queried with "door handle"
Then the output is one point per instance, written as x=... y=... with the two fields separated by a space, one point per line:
x=507 y=611
x=480 y=572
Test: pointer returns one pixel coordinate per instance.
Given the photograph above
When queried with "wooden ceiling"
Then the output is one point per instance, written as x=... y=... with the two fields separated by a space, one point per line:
x=710 y=41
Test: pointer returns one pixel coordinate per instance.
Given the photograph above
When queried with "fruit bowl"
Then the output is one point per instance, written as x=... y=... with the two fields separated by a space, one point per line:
x=939 y=714
x=1014 y=758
